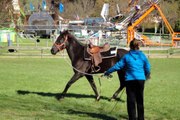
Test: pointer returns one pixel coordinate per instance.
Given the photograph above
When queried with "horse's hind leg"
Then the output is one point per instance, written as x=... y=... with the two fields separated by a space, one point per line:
x=93 y=85
x=121 y=75
x=116 y=93
x=74 y=78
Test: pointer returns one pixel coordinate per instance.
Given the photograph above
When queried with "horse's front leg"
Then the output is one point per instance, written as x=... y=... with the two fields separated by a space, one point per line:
x=74 y=78
x=93 y=85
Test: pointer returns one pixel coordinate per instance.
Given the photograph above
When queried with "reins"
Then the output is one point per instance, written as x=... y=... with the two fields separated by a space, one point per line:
x=117 y=101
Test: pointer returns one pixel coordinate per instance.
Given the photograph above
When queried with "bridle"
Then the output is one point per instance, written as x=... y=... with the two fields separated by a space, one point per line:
x=59 y=45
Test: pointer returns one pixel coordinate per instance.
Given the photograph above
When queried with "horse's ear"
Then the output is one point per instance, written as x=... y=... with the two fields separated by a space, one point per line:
x=66 y=32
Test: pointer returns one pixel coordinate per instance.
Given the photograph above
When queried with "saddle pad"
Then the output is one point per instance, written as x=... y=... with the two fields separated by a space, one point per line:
x=112 y=52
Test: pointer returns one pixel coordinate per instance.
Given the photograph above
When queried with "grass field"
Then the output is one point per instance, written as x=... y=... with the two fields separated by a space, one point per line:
x=28 y=89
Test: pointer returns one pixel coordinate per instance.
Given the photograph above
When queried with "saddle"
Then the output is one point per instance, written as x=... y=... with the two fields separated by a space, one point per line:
x=96 y=49
x=95 y=52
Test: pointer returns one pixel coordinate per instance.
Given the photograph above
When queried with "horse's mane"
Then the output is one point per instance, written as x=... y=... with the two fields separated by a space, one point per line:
x=73 y=37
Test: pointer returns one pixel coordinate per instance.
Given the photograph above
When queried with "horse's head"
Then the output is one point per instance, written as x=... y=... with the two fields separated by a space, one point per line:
x=60 y=43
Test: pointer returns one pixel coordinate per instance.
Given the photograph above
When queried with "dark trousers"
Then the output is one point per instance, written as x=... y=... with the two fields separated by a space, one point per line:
x=135 y=99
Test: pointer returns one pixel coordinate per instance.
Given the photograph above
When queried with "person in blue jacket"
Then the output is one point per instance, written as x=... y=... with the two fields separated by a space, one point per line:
x=137 y=69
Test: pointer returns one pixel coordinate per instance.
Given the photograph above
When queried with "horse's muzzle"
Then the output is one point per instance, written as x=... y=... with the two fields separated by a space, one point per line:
x=53 y=52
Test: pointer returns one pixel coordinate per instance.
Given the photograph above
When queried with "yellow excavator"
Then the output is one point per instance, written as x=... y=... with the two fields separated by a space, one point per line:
x=146 y=41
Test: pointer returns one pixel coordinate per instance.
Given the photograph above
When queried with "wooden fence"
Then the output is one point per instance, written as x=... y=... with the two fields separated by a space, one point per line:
x=44 y=52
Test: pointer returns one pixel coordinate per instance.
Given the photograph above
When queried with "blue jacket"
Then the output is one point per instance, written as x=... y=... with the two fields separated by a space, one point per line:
x=136 y=65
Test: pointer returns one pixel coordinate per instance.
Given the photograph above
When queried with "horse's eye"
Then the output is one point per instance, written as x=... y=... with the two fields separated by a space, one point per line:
x=57 y=43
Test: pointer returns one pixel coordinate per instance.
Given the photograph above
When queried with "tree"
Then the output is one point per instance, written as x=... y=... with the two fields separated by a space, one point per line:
x=5 y=12
x=92 y=8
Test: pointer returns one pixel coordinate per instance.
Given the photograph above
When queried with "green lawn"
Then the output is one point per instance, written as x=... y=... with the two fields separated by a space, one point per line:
x=28 y=89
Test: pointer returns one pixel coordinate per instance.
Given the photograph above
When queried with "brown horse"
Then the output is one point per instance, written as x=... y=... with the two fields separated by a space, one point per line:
x=82 y=67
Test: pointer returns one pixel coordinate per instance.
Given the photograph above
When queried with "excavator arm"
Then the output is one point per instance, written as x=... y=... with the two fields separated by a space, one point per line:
x=131 y=31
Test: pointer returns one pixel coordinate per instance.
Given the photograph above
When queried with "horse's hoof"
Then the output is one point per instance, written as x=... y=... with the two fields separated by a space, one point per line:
x=112 y=99
x=97 y=98
x=60 y=97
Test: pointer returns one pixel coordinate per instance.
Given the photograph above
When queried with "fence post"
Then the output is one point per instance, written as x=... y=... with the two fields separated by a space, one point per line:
x=9 y=40
x=18 y=53
x=17 y=40
x=168 y=53
x=41 y=52
x=47 y=43
x=148 y=53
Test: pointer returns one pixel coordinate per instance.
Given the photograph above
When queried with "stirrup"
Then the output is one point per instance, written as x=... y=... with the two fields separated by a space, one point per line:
x=96 y=68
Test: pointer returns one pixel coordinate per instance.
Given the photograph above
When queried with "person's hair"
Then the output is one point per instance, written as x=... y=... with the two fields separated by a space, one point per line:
x=134 y=44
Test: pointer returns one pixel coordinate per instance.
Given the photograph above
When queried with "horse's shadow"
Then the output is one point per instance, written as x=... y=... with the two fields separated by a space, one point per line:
x=71 y=111
x=95 y=115
x=56 y=95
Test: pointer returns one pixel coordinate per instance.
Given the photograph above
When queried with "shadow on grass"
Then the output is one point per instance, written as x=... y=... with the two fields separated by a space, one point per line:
x=95 y=115
x=56 y=95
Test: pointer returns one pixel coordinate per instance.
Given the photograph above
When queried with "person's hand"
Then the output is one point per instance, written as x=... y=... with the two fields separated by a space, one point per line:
x=107 y=75
x=148 y=76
